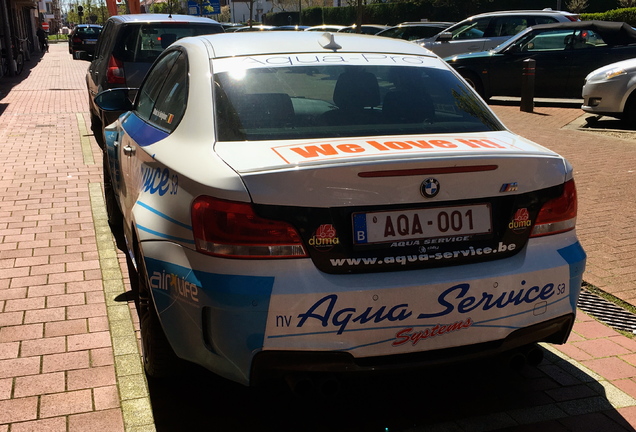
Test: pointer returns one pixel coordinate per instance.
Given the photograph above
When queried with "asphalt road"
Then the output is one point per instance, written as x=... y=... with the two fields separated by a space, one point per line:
x=405 y=402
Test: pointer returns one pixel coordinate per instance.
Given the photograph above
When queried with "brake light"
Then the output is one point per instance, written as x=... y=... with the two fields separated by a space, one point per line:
x=231 y=229
x=559 y=214
x=77 y=40
x=115 y=71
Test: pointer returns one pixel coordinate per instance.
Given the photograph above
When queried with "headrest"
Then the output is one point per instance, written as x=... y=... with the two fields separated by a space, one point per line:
x=167 y=39
x=356 y=89
x=260 y=110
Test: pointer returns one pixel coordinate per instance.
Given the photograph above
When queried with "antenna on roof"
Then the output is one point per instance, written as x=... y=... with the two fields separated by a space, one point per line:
x=327 y=41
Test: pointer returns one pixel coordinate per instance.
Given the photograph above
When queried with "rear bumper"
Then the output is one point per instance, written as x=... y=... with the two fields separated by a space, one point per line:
x=249 y=327
x=273 y=364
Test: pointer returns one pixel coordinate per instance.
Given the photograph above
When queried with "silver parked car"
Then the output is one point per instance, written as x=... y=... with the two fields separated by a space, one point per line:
x=485 y=31
x=609 y=91
x=411 y=31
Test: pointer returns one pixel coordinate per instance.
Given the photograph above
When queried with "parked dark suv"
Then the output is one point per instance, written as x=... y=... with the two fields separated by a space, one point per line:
x=84 y=38
x=126 y=48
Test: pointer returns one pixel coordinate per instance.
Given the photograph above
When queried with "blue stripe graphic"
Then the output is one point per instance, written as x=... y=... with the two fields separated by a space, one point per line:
x=141 y=132
x=164 y=216
x=165 y=236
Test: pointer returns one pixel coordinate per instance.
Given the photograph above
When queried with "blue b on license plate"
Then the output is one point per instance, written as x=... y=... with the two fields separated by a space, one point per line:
x=389 y=226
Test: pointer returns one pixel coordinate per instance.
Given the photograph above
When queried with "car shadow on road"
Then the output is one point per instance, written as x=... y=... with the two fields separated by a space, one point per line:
x=487 y=395
x=596 y=122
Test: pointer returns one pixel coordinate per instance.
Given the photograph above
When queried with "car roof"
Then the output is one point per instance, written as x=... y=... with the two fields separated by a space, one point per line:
x=286 y=43
x=323 y=26
x=524 y=12
x=151 y=18
x=612 y=32
x=424 y=24
x=368 y=26
x=87 y=25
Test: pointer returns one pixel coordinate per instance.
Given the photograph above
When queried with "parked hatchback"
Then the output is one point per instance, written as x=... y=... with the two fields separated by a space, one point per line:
x=127 y=47
x=485 y=31
x=84 y=38
x=611 y=91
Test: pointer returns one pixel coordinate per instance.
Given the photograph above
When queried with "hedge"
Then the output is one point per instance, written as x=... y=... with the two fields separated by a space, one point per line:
x=627 y=15
x=395 y=13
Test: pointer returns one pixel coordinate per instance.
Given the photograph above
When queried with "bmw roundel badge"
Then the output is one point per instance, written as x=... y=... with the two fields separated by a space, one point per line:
x=429 y=188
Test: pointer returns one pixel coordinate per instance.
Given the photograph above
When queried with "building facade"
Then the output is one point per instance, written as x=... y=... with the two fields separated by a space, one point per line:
x=19 y=20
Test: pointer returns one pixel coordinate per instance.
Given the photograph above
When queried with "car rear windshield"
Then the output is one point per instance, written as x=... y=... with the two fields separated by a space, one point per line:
x=304 y=102
x=143 y=43
x=88 y=31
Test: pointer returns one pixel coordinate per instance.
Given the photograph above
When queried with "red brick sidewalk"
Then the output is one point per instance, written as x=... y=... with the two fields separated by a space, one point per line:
x=63 y=366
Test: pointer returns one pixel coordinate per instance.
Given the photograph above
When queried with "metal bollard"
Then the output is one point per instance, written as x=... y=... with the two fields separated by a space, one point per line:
x=527 y=85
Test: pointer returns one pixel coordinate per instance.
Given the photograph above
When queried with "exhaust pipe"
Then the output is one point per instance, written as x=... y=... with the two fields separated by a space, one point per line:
x=300 y=385
x=329 y=386
x=517 y=361
x=534 y=356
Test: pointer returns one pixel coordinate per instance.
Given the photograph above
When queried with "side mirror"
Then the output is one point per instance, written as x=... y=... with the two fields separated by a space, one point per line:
x=445 y=37
x=115 y=99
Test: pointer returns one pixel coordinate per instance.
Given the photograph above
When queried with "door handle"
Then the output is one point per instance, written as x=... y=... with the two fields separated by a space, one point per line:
x=128 y=150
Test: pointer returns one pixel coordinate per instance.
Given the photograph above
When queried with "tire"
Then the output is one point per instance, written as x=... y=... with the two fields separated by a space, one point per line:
x=96 y=128
x=19 y=64
x=474 y=81
x=114 y=214
x=629 y=113
x=159 y=358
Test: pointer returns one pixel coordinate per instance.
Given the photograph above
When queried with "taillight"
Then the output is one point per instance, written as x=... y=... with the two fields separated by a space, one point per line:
x=77 y=40
x=231 y=229
x=115 y=71
x=559 y=214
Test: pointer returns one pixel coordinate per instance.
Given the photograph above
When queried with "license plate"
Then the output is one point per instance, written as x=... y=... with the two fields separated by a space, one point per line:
x=90 y=41
x=390 y=226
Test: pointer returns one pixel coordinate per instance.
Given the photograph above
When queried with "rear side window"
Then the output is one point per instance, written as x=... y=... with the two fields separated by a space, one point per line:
x=473 y=29
x=544 y=20
x=171 y=102
x=102 y=42
x=142 y=43
x=509 y=26
x=151 y=88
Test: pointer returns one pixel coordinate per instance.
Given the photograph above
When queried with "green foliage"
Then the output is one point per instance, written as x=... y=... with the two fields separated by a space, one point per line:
x=627 y=15
x=167 y=7
x=577 y=6
x=375 y=13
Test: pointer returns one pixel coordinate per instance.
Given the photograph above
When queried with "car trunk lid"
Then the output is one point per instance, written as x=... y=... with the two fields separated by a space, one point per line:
x=361 y=208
